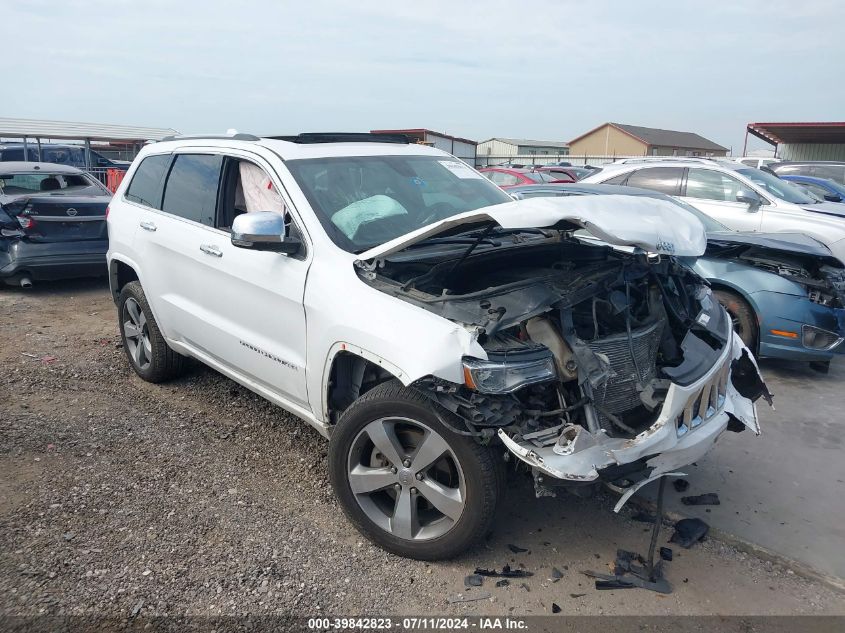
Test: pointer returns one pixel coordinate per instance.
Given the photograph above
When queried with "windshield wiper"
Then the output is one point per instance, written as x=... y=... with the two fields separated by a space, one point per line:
x=454 y=240
x=471 y=248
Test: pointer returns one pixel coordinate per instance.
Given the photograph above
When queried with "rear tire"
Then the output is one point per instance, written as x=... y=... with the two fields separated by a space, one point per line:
x=393 y=438
x=742 y=315
x=145 y=347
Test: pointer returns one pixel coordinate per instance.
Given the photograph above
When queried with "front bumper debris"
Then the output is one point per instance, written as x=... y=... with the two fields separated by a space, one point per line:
x=691 y=420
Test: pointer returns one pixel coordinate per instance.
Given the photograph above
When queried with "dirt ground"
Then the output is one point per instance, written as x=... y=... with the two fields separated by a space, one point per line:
x=122 y=498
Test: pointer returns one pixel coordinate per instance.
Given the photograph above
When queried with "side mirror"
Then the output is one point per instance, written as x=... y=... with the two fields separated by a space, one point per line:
x=515 y=196
x=750 y=198
x=833 y=197
x=263 y=231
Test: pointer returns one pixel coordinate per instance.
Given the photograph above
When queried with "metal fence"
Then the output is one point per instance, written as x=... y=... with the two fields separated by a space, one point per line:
x=111 y=177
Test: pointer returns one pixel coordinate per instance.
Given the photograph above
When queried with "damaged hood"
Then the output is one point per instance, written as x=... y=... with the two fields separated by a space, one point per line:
x=792 y=243
x=656 y=226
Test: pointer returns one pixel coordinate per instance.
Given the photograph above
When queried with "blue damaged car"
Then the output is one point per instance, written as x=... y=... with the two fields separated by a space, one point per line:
x=784 y=291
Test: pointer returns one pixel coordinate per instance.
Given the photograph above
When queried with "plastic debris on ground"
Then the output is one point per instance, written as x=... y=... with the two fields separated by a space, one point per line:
x=680 y=485
x=516 y=549
x=707 y=499
x=688 y=532
x=666 y=553
x=504 y=582
x=506 y=572
x=474 y=580
x=555 y=608
x=556 y=574
x=627 y=575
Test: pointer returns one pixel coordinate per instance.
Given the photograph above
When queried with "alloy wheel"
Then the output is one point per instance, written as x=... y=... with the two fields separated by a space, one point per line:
x=136 y=333
x=406 y=478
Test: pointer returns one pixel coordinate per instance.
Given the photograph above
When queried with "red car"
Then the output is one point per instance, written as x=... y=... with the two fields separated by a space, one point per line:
x=511 y=177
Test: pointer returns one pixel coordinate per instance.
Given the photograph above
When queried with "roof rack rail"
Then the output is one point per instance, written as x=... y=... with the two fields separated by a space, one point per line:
x=240 y=136
x=663 y=159
x=343 y=137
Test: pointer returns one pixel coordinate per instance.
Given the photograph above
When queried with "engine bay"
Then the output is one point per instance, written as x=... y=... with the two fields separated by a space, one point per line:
x=618 y=326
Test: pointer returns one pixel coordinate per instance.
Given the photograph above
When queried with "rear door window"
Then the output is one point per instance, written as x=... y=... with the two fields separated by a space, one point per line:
x=663 y=179
x=191 y=188
x=145 y=187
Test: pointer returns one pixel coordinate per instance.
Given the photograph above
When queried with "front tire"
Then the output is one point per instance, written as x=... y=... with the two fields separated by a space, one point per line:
x=145 y=347
x=408 y=482
x=742 y=315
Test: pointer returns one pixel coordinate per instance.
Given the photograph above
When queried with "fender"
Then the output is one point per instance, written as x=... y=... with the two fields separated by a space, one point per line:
x=343 y=346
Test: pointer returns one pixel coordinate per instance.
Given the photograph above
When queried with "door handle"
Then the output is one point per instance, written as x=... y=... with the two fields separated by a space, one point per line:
x=148 y=226
x=211 y=249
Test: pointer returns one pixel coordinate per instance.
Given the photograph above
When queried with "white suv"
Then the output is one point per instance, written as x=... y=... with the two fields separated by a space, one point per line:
x=740 y=197
x=430 y=326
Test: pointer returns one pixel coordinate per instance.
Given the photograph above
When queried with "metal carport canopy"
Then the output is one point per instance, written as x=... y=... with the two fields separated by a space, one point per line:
x=33 y=128
x=780 y=133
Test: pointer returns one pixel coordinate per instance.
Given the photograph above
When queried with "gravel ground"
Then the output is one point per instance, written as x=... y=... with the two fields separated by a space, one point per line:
x=122 y=498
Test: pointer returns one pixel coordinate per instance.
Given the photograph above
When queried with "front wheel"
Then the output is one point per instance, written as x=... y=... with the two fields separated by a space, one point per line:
x=742 y=316
x=408 y=482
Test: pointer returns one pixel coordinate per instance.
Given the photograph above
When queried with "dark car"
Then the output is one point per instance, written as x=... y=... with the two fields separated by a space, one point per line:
x=52 y=223
x=71 y=155
x=784 y=291
x=833 y=170
x=824 y=188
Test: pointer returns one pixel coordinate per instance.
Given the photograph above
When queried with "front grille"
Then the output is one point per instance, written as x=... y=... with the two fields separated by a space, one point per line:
x=706 y=402
x=622 y=392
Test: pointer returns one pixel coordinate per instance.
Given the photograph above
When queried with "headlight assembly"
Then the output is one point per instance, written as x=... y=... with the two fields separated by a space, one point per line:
x=505 y=373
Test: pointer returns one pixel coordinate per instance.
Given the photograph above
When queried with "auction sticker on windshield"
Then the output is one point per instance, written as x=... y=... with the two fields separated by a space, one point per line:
x=461 y=170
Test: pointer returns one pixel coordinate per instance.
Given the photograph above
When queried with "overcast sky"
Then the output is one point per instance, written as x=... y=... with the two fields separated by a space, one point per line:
x=538 y=69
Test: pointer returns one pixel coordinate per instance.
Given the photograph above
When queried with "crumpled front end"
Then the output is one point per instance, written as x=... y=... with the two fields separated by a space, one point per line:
x=592 y=364
x=691 y=420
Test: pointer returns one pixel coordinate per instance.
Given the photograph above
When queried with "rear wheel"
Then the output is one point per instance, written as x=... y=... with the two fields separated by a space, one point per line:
x=742 y=316
x=408 y=482
x=145 y=347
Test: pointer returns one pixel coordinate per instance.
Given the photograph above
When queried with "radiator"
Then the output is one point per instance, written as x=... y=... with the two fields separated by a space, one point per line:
x=620 y=393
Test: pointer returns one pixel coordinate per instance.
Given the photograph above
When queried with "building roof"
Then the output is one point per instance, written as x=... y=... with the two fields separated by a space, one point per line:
x=420 y=133
x=33 y=128
x=776 y=133
x=528 y=142
x=662 y=138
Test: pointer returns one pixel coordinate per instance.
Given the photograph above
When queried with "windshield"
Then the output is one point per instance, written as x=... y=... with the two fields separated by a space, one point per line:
x=581 y=172
x=777 y=187
x=365 y=201
x=12 y=184
x=832 y=186
x=542 y=176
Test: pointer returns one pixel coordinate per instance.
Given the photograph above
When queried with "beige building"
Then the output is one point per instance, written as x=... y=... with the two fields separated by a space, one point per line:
x=618 y=139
